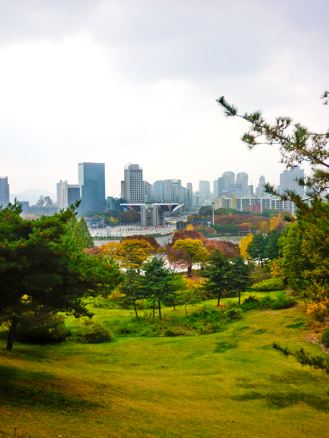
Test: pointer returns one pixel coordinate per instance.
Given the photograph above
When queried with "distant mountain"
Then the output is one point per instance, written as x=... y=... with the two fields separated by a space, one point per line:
x=32 y=195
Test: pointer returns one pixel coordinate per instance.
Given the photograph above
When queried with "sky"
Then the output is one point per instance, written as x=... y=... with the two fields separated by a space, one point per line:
x=126 y=81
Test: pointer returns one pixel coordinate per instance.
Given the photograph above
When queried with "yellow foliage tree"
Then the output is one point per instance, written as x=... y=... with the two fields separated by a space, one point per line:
x=189 y=227
x=133 y=253
x=264 y=227
x=244 y=244
x=109 y=249
x=274 y=222
x=113 y=220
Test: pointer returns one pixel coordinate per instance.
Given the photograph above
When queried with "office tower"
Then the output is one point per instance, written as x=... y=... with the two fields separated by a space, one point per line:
x=159 y=191
x=260 y=189
x=148 y=191
x=92 y=186
x=215 y=188
x=189 y=195
x=221 y=185
x=204 y=189
x=132 y=187
x=289 y=180
x=229 y=180
x=4 y=191
x=174 y=191
x=242 y=182
x=69 y=194
x=58 y=190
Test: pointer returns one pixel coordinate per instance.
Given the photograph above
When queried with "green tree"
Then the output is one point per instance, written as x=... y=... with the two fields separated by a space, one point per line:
x=239 y=276
x=157 y=283
x=130 y=289
x=89 y=242
x=272 y=248
x=217 y=272
x=256 y=249
x=40 y=272
x=191 y=251
x=78 y=234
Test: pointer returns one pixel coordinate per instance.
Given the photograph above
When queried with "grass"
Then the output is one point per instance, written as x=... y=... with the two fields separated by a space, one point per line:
x=231 y=384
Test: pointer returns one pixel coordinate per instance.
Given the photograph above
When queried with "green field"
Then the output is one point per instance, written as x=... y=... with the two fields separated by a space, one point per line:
x=230 y=384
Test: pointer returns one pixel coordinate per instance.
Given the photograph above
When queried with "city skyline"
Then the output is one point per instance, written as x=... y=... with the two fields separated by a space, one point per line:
x=102 y=81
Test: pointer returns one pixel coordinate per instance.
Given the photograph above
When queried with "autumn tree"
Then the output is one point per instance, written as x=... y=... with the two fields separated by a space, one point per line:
x=151 y=239
x=193 y=251
x=133 y=253
x=244 y=242
x=264 y=227
x=109 y=249
x=274 y=222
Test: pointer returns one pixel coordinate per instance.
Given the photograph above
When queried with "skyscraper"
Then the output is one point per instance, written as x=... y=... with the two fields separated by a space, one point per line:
x=189 y=195
x=260 y=189
x=229 y=179
x=4 y=191
x=132 y=187
x=58 y=190
x=289 y=180
x=92 y=186
x=242 y=182
x=215 y=189
x=69 y=194
x=204 y=189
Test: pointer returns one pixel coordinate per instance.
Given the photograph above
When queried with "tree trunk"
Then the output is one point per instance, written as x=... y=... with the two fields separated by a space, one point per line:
x=189 y=271
x=218 y=298
x=160 y=316
x=11 y=335
x=153 y=308
x=239 y=297
x=135 y=310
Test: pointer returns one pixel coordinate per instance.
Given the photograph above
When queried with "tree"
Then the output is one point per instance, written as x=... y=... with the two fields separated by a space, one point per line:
x=40 y=270
x=89 y=242
x=151 y=239
x=157 y=283
x=256 y=248
x=78 y=234
x=130 y=289
x=296 y=144
x=244 y=242
x=189 y=227
x=132 y=254
x=272 y=248
x=191 y=295
x=239 y=276
x=274 y=222
x=109 y=249
x=193 y=251
x=217 y=273
x=264 y=227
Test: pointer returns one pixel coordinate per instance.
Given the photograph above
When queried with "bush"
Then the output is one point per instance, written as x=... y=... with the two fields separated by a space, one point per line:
x=283 y=302
x=233 y=313
x=325 y=338
x=94 y=333
x=269 y=285
x=101 y=303
x=259 y=274
x=42 y=329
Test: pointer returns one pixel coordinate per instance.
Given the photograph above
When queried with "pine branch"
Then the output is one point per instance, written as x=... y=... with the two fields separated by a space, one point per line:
x=317 y=362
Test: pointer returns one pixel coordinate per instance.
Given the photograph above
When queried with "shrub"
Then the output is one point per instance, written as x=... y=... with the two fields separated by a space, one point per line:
x=283 y=302
x=101 y=303
x=269 y=285
x=43 y=329
x=259 y=274
x=325 y=338
x=233 y=313
x=94 y=333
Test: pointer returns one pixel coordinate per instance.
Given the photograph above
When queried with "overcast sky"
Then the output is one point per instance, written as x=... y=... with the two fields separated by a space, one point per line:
x=119 y=81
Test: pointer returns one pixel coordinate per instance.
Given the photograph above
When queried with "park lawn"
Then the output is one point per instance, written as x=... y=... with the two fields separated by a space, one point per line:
x=231 y=384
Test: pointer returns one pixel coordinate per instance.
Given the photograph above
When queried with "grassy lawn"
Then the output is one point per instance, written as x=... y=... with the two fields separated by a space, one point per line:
x=230 y=384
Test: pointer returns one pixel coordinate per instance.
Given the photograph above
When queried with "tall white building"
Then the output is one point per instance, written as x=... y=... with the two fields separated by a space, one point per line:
x=132 y=187
x=229 y=178
x=289 y=180
x=242 y=182
x=260 y=188
x=204 y=189
x=68 y=194
x=4 y=191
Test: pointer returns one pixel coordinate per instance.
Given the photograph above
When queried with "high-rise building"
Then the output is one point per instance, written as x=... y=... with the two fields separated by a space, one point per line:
x=289 y=180
x=69 y=194
x=92 y=186
x=260 y=189
x=242 y=182
x=132 y=187
x=204 y=189
x=221 y=185
x=215 y=189
x=168 y=190
x=148 y=191
x=4 y=191
x=189 y=195
x=229 y=180
x=58 y=190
